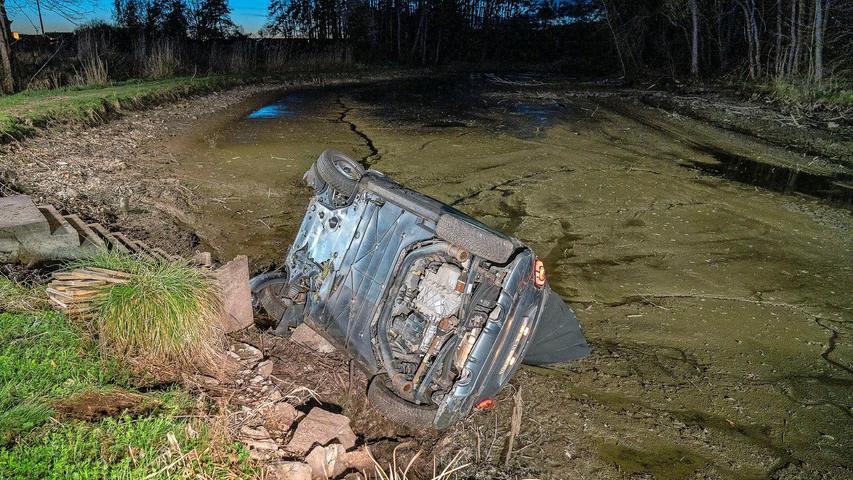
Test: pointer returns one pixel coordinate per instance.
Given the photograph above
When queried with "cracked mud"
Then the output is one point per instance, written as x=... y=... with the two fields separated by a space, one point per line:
x=718 y=308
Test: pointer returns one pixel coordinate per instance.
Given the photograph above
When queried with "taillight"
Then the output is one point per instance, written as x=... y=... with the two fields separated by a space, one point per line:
x=538 y=273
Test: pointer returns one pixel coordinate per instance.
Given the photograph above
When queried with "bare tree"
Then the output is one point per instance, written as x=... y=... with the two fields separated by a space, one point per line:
x=694 y=40
x=819 y=25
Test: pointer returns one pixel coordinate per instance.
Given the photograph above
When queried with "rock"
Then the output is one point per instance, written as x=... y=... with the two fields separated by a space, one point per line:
x=247 y=352
x=303 y=335
x=235 y=294
x=265 y=368
x=290 y=471
x=321 y=427
x=203 y=259
x=260 y=444
x=259 y=433
x=279 y=417
x=327 y=462
x=358 y=460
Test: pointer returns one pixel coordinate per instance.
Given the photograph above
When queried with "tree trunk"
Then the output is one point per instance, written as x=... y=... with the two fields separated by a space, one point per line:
x=615 y=38
x=694 y=50
x=818 y=41
x=777 y=62
x=7 y=78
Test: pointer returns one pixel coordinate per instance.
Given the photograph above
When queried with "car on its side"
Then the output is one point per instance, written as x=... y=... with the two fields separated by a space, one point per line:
x=437 y=308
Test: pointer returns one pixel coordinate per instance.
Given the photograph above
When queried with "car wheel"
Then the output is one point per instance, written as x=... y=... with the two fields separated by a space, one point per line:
x=269 y=291
x=339 y=171
x=394 y=408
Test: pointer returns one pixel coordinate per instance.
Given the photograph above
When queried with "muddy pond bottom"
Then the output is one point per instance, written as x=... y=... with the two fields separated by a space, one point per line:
x=716 y=298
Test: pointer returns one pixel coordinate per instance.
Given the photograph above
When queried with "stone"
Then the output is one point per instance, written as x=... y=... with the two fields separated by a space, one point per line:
x=359 y=460
x=321 y=427
x=289 y=471
x=260 y=444
x=265 y=368
x=203 y=259
x=280 y=416
x=303 y=335
x=247 y=352
x=259 y=433
x=327 y=462
x=235 y=294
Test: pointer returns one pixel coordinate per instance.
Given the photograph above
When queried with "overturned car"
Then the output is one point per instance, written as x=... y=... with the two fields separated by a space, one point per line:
x=438 y=309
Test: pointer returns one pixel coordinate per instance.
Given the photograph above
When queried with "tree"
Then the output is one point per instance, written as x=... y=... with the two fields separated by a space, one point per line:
x=67 y=9
x=129 y=13
x=175 y=23
x=211 y=19
x=7 y=77
x=694 y=39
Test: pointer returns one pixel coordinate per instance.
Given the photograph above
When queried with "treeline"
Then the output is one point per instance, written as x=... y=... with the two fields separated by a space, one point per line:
x=805 y=42
x=759 y=39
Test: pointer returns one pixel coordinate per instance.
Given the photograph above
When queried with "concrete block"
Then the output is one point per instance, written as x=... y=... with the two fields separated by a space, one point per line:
x=88 y=237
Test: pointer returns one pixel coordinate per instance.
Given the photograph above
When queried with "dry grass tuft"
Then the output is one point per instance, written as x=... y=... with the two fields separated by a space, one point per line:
x=394 y=472
x=165 y=313
x=17 y=298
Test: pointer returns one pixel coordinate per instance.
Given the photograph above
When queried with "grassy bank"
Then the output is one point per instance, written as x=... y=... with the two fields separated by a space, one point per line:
x=23 y=113
x=49 y=368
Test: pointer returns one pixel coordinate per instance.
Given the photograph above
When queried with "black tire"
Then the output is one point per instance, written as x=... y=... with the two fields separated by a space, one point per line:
x=476 y=240
x=339 y=171
x=394 y=408
x=267 y=290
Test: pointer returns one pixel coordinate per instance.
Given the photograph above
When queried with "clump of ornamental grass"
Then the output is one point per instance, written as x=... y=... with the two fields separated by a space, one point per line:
x=17 y=298
x=163 y=314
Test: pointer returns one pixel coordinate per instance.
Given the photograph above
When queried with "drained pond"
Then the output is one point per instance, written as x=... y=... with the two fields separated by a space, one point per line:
x=710 y=271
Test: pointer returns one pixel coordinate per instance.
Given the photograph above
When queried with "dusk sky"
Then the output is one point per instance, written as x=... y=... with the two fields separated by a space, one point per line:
x=248 y=14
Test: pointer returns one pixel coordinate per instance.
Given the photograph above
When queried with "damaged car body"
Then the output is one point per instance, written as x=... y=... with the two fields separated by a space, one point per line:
x=437 y=308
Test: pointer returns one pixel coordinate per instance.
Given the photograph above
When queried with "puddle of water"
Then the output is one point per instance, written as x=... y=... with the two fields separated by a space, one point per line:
x=286 y=107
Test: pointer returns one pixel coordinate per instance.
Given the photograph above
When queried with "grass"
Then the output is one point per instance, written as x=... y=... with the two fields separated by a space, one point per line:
x=167 y=313
x=831 y=95
x=15 y=297
x=43 y=358
x=22 y=114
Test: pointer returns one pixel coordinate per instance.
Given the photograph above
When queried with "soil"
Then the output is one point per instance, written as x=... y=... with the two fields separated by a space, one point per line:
x=706 y=265
x=94 y=405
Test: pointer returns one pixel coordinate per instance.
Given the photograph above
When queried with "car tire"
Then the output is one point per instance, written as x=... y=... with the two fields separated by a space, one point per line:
x=394 y=408
x=266 y=292
x=339 y=171
x=476 y=240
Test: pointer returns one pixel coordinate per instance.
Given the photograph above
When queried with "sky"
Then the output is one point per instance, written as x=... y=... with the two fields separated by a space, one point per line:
x=248 y=14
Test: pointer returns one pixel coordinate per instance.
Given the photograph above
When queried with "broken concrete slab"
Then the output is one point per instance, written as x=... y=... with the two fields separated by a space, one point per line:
x=304 y=335
x=235 y=294
x=321 y=427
